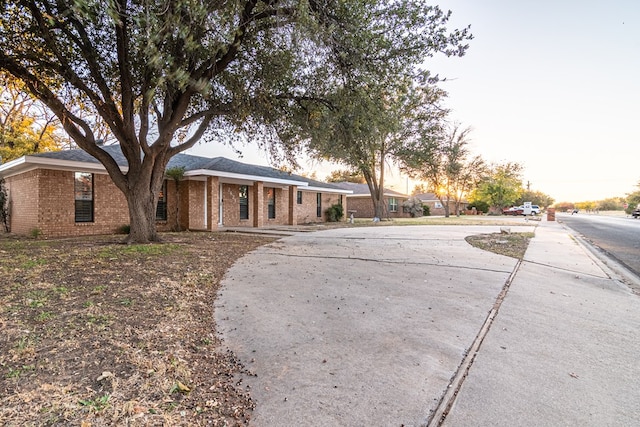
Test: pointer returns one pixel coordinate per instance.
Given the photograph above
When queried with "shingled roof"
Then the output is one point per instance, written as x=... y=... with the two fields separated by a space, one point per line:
x=195 y=164
x=363 y=189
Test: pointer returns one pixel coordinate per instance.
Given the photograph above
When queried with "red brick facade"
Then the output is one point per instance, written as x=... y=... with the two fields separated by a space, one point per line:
x=362 y=207
x=44 y=200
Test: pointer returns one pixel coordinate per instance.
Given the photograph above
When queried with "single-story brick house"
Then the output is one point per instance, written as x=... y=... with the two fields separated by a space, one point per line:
x=435 y=205
x=361 y=204
x=69 y=193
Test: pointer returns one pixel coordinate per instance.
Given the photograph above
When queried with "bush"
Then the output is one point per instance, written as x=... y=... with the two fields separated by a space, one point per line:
x=413 y=206
x=335 y=213
x=124 y=229
x=480 y=206
x=425 y=210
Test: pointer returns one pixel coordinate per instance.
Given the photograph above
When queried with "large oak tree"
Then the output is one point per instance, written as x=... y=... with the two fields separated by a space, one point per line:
x=160 y=75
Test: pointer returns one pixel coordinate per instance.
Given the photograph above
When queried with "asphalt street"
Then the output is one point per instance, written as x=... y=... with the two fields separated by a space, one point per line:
x=617 y=236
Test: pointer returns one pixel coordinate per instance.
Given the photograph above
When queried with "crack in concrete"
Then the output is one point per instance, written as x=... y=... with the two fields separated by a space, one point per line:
x=391 y=261
x=438 y=416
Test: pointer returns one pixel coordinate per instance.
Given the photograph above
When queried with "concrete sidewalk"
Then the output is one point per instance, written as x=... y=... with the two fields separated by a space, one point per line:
x=564 y=349
x=367 y=326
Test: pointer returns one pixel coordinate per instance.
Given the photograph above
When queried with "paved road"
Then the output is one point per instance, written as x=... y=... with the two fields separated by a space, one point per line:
x=617 y=236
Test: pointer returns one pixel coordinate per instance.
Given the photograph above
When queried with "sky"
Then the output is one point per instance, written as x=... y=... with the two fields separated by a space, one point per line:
x=552 y=85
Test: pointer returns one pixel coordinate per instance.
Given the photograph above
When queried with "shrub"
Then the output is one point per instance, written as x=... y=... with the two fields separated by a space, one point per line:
x=335 y=213
x=124 y=229
x=425 y=210
x=479 y=205
x=413 y=206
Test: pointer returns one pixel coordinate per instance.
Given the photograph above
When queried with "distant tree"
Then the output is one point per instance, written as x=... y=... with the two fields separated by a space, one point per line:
x=564 y=206
x=502 y=187
x=611 y=204
x=587 y=206
x=633 y=200
x=346 y=175
x=311 y=175
x=448 y=167
x=26 y=125
x=420 y=189
x=536 y=198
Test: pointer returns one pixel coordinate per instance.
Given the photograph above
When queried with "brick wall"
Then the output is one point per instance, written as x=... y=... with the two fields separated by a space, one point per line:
x=282 y=207
x=196 y=204
x=44 y=199
x=23 y=201
x=364 y=208
x=307 y=211
x=57 y=205
x=231 y=206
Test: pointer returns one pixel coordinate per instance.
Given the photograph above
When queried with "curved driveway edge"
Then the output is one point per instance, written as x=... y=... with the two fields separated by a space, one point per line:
x=358 y=326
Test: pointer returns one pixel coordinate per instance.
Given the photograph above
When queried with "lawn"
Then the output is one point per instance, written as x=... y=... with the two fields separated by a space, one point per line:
x=97 y=333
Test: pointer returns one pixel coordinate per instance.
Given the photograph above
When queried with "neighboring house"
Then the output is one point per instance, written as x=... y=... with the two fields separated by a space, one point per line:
x=69 y=193
x=361 y=204
x=436 y=207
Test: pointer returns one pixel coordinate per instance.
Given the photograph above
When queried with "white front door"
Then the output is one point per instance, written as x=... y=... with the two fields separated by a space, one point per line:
x=220 y=210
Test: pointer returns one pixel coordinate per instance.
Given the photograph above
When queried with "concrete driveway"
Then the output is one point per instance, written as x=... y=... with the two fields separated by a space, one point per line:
x=358 y=326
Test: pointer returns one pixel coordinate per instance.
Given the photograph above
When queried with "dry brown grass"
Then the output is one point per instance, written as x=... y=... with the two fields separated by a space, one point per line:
x=96 y=333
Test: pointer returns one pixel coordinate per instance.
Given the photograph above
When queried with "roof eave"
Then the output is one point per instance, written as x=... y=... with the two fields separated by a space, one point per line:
x=328 y=190
x=239 y=176
x=31 y=162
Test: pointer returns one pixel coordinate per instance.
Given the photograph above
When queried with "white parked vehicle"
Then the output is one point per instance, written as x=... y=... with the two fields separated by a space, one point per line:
x=529 y=209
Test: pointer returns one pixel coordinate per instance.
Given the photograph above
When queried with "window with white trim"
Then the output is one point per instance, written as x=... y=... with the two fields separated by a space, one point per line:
x=393 y=204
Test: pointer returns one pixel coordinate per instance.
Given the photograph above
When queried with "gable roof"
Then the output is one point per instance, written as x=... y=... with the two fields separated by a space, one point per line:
x=194 y=166
x=424 y=197
x=360 y=190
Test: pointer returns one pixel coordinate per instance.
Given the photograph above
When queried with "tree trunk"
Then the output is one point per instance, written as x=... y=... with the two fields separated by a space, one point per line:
x=142 y=214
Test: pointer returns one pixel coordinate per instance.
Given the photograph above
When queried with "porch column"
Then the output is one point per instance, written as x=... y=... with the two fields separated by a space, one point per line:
x=213 y=202
x=258 y=204
x=293 y=205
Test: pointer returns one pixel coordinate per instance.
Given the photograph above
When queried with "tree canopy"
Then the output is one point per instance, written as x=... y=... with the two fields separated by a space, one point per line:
x=501 y=187
x=448 y=166
x=26 y=125
x=161 y=75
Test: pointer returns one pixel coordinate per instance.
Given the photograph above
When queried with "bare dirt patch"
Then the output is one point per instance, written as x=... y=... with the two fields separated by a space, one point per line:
x=96 y=333
x=512 y=245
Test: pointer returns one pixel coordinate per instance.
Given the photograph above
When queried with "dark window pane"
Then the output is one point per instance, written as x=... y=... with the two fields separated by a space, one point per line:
x=319 y=205
x=161 y=207
x=244 y=202
x=271 y=203
x=83 y=190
